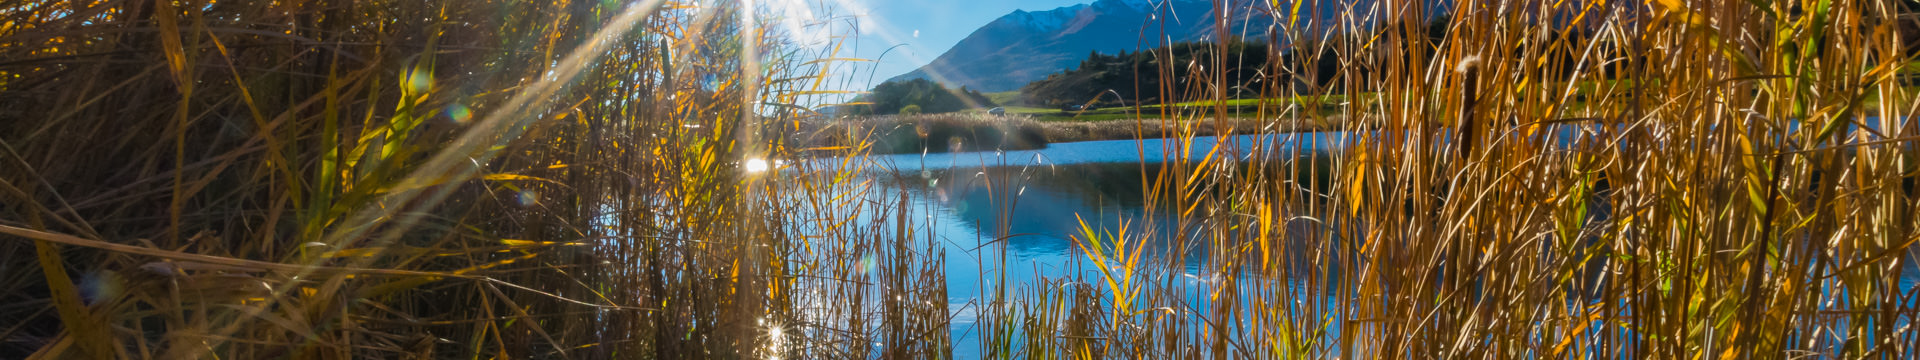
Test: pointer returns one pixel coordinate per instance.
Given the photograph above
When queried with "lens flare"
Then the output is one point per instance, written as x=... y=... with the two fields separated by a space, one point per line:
x=756 y=165
x=460 y=114
x=528 y=198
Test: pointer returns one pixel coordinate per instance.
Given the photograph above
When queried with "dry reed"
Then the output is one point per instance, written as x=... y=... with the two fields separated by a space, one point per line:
x=381 y=179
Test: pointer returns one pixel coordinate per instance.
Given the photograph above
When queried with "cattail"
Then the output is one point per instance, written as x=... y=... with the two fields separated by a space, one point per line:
x=1469 y=69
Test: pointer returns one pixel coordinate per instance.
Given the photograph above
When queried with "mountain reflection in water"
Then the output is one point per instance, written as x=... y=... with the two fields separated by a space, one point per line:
x=1012 y=216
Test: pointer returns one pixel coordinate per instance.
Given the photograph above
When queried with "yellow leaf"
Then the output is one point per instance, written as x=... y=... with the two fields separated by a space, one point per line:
x=513 y=177
x=516 y=242
x=94 y=340
x=355 y=252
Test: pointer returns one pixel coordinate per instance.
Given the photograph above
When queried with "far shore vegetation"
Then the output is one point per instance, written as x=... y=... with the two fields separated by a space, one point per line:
x=975 y=131
x=920 y=96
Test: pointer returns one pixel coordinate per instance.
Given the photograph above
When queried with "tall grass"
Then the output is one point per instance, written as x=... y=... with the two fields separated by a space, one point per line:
x=386 y=179
x=1667 y=179
x=381 y=179
x=926 y=133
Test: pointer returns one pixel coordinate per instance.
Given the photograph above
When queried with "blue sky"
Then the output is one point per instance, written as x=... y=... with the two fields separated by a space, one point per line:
x=926 y=28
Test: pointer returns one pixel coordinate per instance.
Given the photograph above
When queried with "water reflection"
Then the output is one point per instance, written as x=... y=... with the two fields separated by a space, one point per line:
x=1035 y=210
x=1150 y=151
x=1009 y=218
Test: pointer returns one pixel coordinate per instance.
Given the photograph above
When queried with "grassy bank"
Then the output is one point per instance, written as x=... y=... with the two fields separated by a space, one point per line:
x=1243 y=110
x=895 y=134
x=1128 y=128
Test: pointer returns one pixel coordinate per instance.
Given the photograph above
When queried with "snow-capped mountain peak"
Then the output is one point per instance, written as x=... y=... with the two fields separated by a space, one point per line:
x=1148 y=6
x=1140 y=5
x=1044 y=20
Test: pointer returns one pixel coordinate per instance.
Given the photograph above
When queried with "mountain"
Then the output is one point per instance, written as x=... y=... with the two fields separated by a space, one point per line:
x=1025 y=46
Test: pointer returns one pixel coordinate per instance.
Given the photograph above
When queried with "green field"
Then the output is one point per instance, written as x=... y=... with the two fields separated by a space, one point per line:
x=1324 y=99
x=1004 y=97
x=1047 y=114
x=1238 y=108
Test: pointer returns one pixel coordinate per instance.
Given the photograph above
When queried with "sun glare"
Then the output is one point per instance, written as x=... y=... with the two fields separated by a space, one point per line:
x=756 y=165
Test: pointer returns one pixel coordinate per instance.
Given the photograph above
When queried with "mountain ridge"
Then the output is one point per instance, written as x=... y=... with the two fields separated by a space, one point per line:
x=1024 y=46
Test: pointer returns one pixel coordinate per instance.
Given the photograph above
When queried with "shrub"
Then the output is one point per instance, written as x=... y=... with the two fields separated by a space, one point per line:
x=893 y=98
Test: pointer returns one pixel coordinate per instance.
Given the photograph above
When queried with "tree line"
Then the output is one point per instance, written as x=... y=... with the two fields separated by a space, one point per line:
x=918 y=96
x=1129 y=78
x=1123 y=78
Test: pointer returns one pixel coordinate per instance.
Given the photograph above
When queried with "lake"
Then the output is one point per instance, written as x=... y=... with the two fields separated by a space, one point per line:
x=1033 y=201
x=1008 y=220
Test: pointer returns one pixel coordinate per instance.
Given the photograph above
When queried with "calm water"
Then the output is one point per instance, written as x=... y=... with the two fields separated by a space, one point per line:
x=1037 y=198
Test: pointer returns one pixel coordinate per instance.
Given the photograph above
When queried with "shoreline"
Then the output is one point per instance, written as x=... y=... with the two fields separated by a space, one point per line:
x=959 y=132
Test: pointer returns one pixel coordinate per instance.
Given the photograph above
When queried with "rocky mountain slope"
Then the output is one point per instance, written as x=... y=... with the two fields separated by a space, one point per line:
x=1027 y=45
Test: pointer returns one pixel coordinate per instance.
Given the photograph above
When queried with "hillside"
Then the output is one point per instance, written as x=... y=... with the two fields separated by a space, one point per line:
x=1025 y=46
